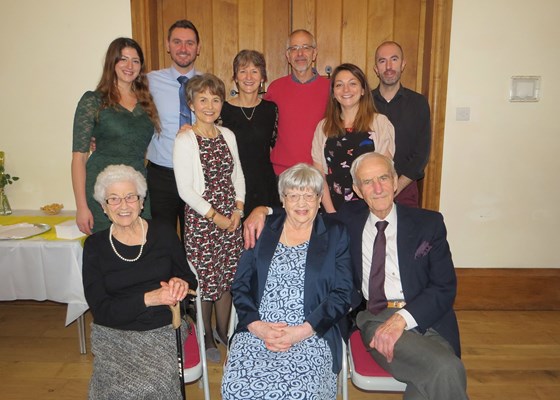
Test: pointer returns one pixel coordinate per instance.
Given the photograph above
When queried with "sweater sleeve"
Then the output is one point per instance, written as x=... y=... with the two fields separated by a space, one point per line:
x=383 y=135
x=318 y=146
x=188 y=174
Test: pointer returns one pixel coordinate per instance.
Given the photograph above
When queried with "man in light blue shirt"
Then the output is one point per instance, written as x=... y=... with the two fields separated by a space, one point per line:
x=167 y=89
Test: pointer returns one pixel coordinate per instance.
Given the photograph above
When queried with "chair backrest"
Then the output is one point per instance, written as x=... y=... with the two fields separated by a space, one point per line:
x=194 y=350
x=367 y=374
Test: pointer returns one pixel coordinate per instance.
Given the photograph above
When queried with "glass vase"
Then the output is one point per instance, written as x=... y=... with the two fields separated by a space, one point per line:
x=5 y=208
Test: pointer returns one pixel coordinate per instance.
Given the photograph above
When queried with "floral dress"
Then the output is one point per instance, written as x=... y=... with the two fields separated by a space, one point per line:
x=340 y=152
x=214 y=252
x=304 y=372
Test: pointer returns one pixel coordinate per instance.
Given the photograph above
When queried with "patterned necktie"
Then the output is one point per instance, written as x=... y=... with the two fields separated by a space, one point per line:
x=377 y=300
x=184 y=111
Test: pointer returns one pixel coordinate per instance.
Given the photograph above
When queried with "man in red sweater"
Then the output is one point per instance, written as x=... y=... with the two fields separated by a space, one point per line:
x=301 y=98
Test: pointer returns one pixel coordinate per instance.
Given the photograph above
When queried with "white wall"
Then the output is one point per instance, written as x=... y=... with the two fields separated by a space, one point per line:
x=52 y=52
x=500 y=184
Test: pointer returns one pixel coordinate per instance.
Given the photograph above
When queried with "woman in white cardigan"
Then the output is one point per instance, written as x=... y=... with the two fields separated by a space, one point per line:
x=210 y=181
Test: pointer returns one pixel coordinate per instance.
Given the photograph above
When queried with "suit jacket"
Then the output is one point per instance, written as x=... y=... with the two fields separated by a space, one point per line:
x=426 y=268
x=327 y=285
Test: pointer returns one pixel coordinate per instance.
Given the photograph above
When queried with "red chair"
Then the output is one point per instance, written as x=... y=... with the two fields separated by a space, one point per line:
x=365 y=373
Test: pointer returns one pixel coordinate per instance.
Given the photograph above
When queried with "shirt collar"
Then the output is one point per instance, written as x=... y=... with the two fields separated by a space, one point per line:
x=400 y=92
x=391 y=218
x=175 y=74
x=315 y=76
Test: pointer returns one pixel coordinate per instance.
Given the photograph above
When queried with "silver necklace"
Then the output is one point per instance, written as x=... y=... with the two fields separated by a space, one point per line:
x=141 y=246
x=285 y=236
x=253 y=113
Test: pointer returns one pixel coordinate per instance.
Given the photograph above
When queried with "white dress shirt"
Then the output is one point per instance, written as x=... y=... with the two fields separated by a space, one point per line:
x=164 y=88
x=393 y=286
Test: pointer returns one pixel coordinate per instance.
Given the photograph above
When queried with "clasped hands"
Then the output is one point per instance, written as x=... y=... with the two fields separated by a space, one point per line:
x=278 y=336
x=227 y=224
x=387 y=335
x=168 y=294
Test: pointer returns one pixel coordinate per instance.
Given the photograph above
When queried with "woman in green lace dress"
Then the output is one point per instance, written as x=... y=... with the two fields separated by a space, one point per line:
x=121 y=117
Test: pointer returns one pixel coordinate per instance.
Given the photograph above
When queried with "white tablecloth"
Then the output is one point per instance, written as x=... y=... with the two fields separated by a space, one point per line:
x=36 y=269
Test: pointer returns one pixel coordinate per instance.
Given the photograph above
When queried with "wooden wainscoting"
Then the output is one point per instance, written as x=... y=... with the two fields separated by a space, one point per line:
x=508 y=289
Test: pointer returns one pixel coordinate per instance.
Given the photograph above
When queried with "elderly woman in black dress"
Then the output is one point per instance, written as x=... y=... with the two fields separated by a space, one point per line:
x=132 y=272
x=254 y=123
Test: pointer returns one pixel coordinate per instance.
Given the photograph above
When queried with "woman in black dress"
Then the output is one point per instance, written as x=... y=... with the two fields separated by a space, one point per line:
x=253 y=121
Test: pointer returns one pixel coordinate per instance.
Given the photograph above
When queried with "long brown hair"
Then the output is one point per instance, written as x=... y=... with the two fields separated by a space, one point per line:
x=107 y=86
x=334 y=125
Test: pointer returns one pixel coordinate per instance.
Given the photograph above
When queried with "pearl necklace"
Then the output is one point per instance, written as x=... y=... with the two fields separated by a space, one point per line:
x=141 y=246
x=245 y=115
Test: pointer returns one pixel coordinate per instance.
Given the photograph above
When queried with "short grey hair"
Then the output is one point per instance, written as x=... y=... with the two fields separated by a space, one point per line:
x=115 y=174
x=358 y=161
x=305 y=31
x=301 y=176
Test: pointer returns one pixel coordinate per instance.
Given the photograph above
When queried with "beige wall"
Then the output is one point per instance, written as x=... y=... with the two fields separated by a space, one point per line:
x=52 y=52
x=500 y=184
x=499 y=168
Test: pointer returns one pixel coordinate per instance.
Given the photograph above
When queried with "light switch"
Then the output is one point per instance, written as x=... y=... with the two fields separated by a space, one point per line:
x=463 y=114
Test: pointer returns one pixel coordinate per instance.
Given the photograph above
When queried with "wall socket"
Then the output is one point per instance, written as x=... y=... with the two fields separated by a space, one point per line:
x=463 y=114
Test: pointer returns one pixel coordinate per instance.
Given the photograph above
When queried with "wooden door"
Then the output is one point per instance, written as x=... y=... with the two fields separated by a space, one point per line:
x=346 y=31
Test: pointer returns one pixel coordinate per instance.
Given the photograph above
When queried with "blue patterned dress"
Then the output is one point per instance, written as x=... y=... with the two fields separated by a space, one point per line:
x=302 y=372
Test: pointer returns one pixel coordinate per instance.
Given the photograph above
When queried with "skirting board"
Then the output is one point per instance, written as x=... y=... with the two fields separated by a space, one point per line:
x=508 y=289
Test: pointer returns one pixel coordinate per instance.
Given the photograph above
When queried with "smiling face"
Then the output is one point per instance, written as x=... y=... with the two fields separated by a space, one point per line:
x=376 y=185
x=389 y=64
x=301 y=52
x=183 y=48
x=124 y=214
x=301 y=206
x=347 y=89
x=206 y=106
x=248 y=78
x=129 y=65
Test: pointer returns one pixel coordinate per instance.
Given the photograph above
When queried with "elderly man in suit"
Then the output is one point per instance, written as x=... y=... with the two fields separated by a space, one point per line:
x=408 y=321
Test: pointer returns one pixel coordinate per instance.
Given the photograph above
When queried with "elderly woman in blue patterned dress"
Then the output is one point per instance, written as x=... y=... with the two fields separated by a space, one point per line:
x=290 y=292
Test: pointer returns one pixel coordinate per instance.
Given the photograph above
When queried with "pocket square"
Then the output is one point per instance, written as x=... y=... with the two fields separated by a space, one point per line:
x=422 y=250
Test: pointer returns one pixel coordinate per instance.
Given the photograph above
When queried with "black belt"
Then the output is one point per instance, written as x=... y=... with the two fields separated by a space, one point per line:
x=155 y=166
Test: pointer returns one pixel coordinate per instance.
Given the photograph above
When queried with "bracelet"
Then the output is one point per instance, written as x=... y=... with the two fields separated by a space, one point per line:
x=240 y=211
x=211 y=217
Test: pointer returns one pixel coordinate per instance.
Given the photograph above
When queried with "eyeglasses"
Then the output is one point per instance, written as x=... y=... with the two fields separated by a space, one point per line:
x=306 y=48
x=294 y=197
x=131 y=198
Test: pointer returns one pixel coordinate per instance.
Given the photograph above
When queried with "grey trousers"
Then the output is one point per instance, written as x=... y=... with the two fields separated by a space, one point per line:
x=426 y=363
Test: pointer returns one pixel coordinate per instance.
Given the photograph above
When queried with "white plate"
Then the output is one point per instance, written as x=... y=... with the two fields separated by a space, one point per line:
x=22 y=231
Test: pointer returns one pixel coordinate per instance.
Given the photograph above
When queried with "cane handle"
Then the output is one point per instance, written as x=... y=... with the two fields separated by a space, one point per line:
x=176 y=312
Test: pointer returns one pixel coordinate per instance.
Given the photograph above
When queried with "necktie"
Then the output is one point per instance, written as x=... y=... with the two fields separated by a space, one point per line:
x=377 y=300
x=184 y=111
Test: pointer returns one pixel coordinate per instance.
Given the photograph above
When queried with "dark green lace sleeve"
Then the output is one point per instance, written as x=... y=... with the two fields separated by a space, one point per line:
x=84 y=121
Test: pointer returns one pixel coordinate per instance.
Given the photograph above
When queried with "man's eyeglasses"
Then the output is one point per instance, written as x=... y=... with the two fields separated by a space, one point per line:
x=114 y=200
x=293 y=197
x=306 y=48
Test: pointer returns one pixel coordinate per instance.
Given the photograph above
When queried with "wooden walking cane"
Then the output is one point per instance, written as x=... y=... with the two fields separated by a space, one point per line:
x=176 y=323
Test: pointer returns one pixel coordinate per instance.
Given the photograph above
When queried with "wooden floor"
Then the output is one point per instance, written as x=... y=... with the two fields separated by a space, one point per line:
x=508 y=355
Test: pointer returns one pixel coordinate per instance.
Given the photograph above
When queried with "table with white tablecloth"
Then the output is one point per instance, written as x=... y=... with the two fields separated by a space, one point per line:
x=44 y=267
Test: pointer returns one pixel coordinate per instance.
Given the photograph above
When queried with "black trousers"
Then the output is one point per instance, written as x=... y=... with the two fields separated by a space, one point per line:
x=166 y=203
